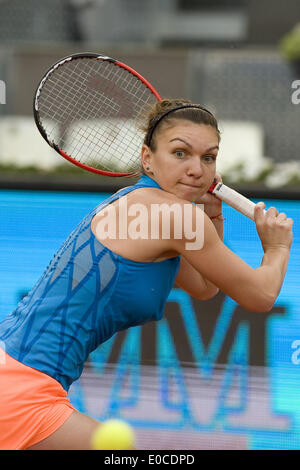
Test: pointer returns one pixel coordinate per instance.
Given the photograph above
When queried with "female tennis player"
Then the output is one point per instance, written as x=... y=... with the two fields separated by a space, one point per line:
x=97 y=285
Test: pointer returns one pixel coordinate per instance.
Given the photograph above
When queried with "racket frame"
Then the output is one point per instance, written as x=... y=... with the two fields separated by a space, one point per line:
x=40 y=127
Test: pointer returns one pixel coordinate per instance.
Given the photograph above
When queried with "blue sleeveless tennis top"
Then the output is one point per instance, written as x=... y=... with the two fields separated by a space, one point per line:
x=86 y=295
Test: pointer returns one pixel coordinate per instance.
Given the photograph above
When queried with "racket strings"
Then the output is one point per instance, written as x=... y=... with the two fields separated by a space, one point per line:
x=91 y=109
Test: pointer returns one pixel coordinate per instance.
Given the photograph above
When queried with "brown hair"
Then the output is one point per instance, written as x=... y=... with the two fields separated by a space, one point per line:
x=163 y=112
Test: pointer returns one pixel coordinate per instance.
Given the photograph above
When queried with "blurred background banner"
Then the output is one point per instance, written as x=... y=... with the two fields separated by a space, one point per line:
x=238 y=57
x=210 y=375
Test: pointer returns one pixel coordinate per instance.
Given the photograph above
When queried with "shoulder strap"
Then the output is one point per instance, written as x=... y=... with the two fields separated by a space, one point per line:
x=144 y=182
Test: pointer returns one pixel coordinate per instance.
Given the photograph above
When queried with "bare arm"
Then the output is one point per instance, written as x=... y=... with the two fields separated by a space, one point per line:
x=188 y=278
x=254 y=289
x=191 y=281
x=275 y=232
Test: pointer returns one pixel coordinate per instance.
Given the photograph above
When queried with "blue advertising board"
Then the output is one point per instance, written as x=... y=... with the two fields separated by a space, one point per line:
x=209 y=374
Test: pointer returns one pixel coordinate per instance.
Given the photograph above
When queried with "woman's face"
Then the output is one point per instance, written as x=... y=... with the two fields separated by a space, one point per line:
x=184 y=162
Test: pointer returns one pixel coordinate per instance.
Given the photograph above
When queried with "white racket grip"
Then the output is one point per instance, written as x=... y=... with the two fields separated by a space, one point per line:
x=235 y=200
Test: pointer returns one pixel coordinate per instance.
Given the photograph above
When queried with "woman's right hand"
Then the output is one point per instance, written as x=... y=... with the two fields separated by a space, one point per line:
x=274 y=229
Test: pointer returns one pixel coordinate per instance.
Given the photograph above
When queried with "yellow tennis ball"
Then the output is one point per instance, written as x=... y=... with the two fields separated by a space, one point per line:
x=113 y=434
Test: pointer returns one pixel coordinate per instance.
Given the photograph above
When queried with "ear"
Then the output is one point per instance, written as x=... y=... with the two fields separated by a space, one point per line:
x=146 y=157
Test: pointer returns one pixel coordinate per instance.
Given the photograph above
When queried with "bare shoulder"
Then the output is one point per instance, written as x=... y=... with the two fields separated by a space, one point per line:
x=157 y=196
x=181 y=213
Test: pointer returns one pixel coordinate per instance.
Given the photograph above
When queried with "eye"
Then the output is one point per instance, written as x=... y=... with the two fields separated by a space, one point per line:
x=209 y=158
x=179 y=153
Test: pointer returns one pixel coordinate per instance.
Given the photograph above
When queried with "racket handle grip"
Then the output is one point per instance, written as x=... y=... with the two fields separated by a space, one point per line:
x=233 y=199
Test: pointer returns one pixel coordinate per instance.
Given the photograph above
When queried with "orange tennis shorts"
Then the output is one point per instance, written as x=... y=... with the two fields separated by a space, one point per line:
x=33 y=405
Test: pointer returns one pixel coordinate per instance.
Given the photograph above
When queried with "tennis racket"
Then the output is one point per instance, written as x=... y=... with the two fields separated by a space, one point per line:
x=89 y=108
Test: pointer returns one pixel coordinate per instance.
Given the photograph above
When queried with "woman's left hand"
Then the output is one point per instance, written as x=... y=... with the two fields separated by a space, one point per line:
x=212 y=205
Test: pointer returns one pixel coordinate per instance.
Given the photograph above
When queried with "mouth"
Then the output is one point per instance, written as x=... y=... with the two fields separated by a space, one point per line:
x=191 y=186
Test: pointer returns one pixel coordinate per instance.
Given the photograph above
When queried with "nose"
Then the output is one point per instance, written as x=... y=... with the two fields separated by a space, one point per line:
x=195 y=168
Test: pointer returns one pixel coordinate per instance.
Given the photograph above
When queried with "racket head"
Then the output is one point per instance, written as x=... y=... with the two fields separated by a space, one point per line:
x=89 y=107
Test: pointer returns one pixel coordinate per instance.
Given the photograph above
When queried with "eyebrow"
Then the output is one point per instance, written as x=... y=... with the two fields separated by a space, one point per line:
x=215 y=147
